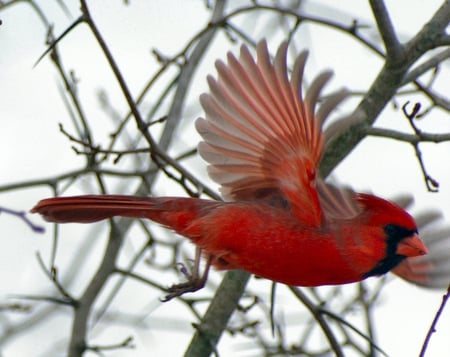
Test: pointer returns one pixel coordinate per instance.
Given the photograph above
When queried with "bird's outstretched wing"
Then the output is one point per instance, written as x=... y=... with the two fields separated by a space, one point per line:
x=262 y=137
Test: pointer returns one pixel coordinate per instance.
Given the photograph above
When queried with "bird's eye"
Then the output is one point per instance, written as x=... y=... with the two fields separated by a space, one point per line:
x=396 y=233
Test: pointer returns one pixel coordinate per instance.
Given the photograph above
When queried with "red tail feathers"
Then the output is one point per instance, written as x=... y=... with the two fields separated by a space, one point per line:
x=174 y=212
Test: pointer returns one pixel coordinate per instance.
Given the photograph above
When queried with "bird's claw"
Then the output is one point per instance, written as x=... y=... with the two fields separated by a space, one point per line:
x=191 y=285
x=185 y=271
x=194 y=281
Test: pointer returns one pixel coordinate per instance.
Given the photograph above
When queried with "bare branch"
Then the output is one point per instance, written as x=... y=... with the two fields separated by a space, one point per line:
x=335 y=345
x=432 y=328
x=55 y=42
x=385 y=86
x=426 y=66
x=386 y=28
x=431 y=183
x=215 y=320
x=127 y=343
x=436 y=98
x=78 y=342
x=52 y=274
x=408 y=138
x=24 y=218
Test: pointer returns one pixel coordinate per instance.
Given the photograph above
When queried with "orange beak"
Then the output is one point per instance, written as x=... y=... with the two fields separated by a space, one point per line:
x=411 y=247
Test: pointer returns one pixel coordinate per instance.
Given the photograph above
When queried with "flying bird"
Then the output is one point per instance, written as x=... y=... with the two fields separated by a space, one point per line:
x=264 y=140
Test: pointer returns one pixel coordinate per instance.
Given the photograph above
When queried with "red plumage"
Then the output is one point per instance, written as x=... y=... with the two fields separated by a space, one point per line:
x=264 y=142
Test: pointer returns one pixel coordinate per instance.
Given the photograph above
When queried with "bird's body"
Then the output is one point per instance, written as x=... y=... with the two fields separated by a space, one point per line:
x=261 y=236
x=280 y=221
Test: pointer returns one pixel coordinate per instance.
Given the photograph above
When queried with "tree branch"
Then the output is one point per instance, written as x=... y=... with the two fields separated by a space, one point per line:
x=384 y=88
x=387 y=31
x=407 y=138
x=317 y=313
x=432 y=328
x=215 y=320
x=85 y=304
x=429 y=64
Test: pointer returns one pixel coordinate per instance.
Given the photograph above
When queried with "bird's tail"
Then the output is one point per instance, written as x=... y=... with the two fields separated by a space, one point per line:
x=174 y=212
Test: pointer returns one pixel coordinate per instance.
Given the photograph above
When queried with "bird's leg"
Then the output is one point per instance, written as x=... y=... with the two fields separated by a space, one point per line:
x=194 y=282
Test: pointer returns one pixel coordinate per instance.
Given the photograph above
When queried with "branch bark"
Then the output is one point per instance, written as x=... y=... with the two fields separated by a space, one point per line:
x=385 y=86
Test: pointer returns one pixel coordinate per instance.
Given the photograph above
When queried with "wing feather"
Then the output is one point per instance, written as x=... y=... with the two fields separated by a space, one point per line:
x=260 y=137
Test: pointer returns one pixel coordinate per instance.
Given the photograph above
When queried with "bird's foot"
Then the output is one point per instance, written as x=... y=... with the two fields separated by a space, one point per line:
x=194 y=281
x=189 y=286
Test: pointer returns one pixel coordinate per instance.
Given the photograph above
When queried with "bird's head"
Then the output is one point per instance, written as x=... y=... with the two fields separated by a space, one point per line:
x=394 y=229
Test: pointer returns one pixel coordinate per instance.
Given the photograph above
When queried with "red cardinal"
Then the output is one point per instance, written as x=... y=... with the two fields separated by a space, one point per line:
x=263 y=140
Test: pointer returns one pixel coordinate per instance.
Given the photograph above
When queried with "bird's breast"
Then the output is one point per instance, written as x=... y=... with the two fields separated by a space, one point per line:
x=270 y=243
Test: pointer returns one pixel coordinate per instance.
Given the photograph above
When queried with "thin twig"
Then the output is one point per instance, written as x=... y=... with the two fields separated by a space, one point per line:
x=353 y=328
x=431 y=183
x=317 y=313
x=58 y=39
x=407 y=138
x=127 y=343
x=426 y=66
x=432 y=328
x=52 y=274
x=24 y=218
